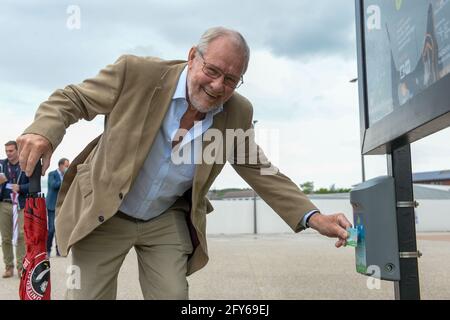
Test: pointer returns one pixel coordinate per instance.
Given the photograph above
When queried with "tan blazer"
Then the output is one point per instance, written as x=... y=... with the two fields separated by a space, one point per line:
x=134 y=93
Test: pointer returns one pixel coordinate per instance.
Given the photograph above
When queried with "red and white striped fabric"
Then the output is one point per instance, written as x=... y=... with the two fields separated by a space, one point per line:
x=15 y=203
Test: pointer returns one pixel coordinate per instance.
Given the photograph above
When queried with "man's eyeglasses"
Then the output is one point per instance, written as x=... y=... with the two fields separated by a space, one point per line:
x=214 y=72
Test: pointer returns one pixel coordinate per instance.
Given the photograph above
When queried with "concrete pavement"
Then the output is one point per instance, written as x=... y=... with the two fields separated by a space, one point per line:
x=279 y=266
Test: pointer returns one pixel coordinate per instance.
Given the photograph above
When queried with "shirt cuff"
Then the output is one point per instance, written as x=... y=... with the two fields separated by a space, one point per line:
x=304 y=222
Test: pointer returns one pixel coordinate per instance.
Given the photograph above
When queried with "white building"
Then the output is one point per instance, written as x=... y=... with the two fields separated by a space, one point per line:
x=233 y=217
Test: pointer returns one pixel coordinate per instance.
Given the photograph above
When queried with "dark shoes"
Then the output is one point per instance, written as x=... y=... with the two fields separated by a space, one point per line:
x=9 y=272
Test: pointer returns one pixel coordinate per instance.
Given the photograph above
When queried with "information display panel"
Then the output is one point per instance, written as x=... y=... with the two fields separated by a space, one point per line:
x=404 y=70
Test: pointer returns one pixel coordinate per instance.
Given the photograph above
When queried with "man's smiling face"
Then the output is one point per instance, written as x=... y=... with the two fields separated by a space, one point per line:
x=204 y=92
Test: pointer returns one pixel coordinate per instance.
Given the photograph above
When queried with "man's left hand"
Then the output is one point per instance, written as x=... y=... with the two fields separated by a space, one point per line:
x=15 y=188
x=333 y=226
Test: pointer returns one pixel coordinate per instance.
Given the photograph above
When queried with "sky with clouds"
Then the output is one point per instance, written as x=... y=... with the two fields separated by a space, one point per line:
x=303 y=54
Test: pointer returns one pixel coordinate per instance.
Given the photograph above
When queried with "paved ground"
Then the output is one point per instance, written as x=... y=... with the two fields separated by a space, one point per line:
x=282 y=266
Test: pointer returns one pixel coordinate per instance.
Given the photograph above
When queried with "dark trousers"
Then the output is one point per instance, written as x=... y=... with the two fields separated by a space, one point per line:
x=51 y=231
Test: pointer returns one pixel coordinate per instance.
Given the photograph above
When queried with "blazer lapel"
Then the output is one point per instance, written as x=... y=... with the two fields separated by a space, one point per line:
x=159 y=103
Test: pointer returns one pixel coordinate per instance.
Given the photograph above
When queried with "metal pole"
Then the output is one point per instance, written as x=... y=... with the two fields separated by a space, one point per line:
x=399 y=166
x=363 y=169
x=255 y=228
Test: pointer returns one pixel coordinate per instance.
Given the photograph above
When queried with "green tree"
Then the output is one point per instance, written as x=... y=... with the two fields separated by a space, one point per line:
x=322 y=191
x=307 y=187
x=332 y=189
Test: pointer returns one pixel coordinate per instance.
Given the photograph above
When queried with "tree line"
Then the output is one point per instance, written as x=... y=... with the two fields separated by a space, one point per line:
x=308 y=188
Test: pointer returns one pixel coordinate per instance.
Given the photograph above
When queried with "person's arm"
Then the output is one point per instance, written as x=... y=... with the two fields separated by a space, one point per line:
x=277 y=190
x=65 y=107
x=332 y=226
x=3 y=178
x=282 y=195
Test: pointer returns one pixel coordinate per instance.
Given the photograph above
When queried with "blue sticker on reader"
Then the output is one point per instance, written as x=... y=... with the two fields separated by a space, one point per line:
x=352 y=239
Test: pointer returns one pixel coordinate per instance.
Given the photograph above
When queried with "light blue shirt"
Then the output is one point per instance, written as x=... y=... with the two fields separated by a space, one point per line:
x=61 y=175
x=161 y=181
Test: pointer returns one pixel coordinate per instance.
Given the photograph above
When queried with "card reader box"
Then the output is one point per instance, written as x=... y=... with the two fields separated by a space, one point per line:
x=374 y=218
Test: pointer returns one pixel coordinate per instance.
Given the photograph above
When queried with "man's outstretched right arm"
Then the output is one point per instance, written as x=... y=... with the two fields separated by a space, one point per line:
x=65 y=107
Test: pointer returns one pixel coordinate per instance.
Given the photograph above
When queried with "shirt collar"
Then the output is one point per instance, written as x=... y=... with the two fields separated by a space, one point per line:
x=180 y=91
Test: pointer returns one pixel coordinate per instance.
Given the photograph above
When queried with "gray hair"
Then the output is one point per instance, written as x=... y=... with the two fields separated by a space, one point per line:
x=217 y=32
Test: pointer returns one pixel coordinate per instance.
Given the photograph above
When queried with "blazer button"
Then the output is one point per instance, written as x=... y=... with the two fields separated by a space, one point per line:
x=101 y=218
x=121 y=196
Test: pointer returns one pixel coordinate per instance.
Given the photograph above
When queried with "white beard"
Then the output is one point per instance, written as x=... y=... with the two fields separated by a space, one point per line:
x=204 y=109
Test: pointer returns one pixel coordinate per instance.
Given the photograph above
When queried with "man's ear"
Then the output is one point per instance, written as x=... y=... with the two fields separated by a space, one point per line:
x=191 y=56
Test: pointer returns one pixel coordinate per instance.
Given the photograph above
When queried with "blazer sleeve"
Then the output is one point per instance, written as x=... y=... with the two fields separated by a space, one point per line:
x=276 y=189
x=66 y=106
x=53 y=181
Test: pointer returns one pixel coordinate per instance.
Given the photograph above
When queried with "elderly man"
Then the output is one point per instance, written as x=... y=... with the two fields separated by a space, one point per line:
x=125 y=190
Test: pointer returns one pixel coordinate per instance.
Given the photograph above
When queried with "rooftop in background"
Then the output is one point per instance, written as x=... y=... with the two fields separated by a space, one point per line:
x=432 y=177
x=421 y=191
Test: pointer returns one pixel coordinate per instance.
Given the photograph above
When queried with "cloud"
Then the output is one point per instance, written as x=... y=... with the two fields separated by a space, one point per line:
x=17 y=105
x=297 y=76
x=303 y=55
x=304 y=30
x=40 y=50
x=317 y=88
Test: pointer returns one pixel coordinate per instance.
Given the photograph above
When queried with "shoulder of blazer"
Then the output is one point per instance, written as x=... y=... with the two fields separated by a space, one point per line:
x=151 y=61
x=239 y=101
x=239 y=110
x=51 y=174
x=56 y=174
x=148 y=68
